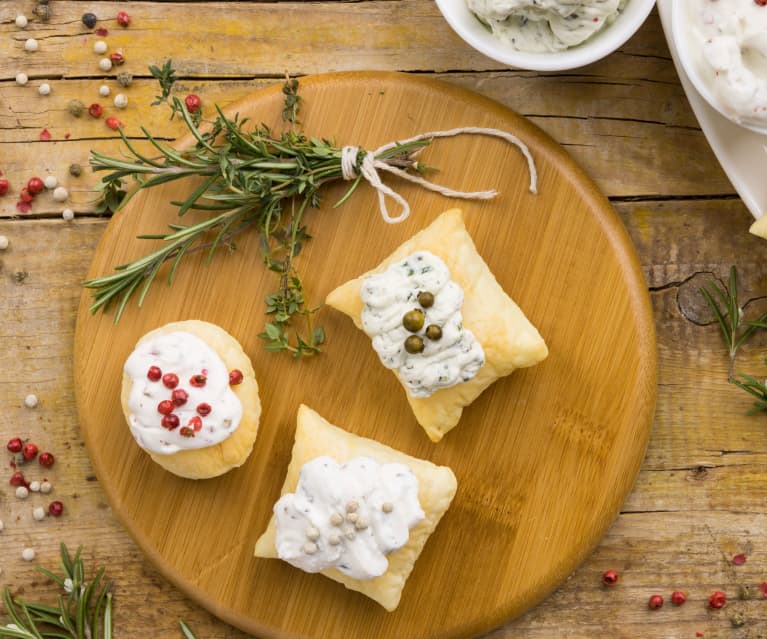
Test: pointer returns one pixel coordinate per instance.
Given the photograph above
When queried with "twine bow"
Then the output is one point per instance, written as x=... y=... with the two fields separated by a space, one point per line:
x=370 y=166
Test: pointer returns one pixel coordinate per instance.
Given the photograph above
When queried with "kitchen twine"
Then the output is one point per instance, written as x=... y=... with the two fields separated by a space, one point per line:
x=370 y=165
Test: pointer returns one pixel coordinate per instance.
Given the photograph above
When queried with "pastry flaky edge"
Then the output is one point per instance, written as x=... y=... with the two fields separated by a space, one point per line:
x=315 y=436
x=203 y=463
x=508 y=338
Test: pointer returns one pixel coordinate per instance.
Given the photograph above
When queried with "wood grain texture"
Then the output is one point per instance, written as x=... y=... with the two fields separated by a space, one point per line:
x=636 y=109
x=699 y=497
x=532 y=472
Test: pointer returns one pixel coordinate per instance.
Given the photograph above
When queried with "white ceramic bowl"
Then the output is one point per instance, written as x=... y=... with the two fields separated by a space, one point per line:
x=690 y=58
x=466 y=25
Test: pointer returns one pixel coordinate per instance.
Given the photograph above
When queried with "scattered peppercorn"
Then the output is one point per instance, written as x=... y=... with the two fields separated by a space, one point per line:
x=4 y=186
x=117 y=58
x=45 y=135
x=75 y=170
x=123 y=19
x=56 y=508
x=21 y=21
x=655 y=602
x=124 y=79
x=100 y=47
x=717 y=599
x=121 y=101
x=15 y=444
x=192 y=103
x=95 y=110
x=46 y=459
x=35 y=185
x=29 y=451
x=25 y=196
x=739 y=559
x=678 y=597
x=17 y=479
x=60 y=194
x=102 y=32
x=113 y=123
x=105 y=64
x=235 y=377
x=76 y=108
x=610 y=578
x=89 y=20
x=42 y=11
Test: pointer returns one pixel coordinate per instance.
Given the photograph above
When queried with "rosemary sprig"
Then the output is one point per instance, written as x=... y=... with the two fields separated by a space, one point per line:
x=728 y=312
x=82 y=611
x=166 y=77
x=730 y=316
x=246 y=176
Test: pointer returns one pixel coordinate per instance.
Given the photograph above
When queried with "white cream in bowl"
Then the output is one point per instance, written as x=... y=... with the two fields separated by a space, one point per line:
x=722 y=46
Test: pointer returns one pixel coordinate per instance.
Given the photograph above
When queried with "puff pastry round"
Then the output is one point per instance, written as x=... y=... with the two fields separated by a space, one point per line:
x=203 y=463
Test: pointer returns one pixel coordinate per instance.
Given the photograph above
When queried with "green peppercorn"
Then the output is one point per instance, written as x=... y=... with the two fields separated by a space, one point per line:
x=42 y=11
x=75 y=170
x=124 y=79
x=414 y=344
x=413 y=320
x=433 y=332
x=76 y=107
x=425 y=299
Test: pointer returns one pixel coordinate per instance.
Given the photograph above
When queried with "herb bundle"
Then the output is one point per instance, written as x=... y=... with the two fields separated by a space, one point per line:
x=249 y=178
x=728 y=312
x=83 y=610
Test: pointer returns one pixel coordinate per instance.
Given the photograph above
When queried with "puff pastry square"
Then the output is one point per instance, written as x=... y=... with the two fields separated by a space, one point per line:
x=508 y=338
x=315 y=436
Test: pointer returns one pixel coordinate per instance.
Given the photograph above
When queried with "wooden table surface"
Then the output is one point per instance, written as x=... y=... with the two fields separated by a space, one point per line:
x=701 y=495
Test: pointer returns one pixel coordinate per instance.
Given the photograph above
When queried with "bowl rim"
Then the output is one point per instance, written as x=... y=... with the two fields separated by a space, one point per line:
x=600 y=45
x=681 y=42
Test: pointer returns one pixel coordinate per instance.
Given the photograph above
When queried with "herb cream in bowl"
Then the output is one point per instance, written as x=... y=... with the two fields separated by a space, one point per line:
x=545 y=35
x=722 y=47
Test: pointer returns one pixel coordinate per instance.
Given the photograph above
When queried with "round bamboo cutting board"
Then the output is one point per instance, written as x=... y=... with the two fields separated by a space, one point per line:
x=544 y=458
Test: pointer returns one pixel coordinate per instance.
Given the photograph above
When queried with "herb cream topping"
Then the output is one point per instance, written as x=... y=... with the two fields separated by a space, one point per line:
x=412 y=313
x=545 y=25
x=348 y=516
x=728 y=43
x=180 y=396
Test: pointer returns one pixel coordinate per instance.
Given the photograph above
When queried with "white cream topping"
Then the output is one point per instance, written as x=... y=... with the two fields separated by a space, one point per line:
x=186 y=356
x=728 y=42
x=545 y=25
x=348 y=516
x=454 y=358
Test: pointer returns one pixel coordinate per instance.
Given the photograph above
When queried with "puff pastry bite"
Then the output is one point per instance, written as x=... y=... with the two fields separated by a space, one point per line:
x=346 y=501
x=464 y=334
x=190 y=397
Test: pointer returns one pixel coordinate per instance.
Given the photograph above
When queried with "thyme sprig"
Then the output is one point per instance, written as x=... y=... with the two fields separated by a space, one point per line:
x=82 y=611
x=728 y=312
x=248 y=178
